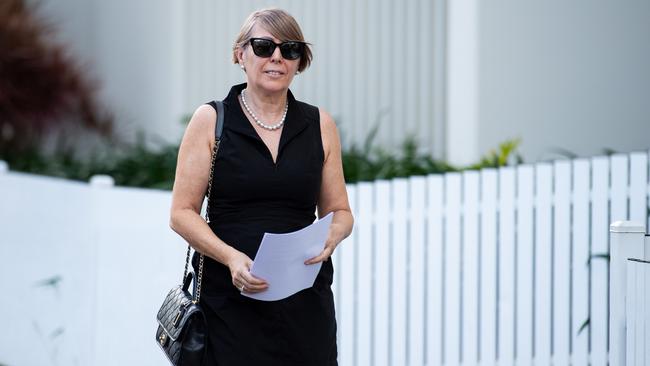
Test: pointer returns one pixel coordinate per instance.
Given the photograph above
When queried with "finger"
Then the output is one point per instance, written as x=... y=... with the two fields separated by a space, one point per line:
x=321 y=257
x=241 y=277
x=240 y=283
x=253 y=289
x=244 y=275
x=315 y=260
x=257 y=284
x=249 y=279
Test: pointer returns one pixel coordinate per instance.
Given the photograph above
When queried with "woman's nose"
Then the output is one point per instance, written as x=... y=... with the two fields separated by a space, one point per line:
x=277 y=55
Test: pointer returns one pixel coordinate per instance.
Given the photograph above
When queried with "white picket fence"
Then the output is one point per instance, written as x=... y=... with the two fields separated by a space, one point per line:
x=637 y=319
x=630 y=294
x=482 y=268
x=486 y=267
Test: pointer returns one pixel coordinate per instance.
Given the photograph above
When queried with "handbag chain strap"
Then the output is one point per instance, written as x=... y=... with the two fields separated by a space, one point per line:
x=197 y=295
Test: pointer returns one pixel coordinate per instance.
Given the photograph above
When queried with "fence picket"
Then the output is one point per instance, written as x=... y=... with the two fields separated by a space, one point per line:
x=637 y=290
x=417 y=196
x=638 y=187
x=631 y=316
x=643 y=321
x=618 y=197
x=469 y=353
x=561 y=263
x=598 y=316
x=364 y=274
x=524 y=265
x=646 y=316
x=381 y=297
x=580 y=268
x=398 y=274
x=542 y=294
x=435 y=240
x=506 y=267
x=346 y=290
x=451 y=338
x=488 y=265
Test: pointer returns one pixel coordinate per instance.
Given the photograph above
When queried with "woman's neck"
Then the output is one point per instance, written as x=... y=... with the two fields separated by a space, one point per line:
x=266 y=104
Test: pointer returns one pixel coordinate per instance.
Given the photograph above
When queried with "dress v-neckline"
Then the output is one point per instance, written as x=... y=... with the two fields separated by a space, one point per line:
x=259 y=138
x=295 y=123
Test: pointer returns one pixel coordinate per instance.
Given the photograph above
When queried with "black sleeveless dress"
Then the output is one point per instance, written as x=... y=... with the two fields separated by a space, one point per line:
x=251 y=195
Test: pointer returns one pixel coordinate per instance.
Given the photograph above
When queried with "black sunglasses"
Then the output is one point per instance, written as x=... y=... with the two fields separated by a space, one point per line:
x=290 y=50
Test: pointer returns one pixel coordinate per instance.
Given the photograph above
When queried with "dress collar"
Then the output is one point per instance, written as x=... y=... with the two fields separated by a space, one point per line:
x=294 y=123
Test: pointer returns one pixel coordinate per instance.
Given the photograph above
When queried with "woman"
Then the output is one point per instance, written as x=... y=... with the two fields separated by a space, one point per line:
x=278 y=161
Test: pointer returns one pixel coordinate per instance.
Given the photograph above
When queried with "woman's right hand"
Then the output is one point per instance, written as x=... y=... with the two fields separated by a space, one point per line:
x=240 y=265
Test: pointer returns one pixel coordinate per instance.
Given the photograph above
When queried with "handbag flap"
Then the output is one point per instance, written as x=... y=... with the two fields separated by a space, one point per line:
x=175 y=311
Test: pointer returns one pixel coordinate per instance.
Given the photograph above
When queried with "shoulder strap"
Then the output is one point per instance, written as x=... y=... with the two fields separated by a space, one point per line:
x=217 y=135
x=220 y=118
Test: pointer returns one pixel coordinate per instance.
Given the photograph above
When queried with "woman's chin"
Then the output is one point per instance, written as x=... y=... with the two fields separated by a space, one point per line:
x=275 y=85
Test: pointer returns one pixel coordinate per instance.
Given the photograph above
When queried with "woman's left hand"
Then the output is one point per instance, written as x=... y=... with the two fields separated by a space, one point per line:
x=330 y=245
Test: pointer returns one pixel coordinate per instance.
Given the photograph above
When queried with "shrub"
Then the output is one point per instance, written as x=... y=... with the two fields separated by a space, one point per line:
x=138 y=166
x=41 y=87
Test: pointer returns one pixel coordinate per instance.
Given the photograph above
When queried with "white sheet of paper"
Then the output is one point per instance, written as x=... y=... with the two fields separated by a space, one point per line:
x=280 y=260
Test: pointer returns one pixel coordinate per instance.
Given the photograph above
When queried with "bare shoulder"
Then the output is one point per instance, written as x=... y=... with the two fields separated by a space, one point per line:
x=327 y=123
x=329 y=132
x=202 y=123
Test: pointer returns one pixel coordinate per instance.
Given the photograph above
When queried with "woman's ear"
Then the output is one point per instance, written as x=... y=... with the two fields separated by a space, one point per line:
x=240 y=55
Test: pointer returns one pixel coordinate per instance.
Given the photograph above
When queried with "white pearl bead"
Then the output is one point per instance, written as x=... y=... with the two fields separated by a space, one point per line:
x=257 y=120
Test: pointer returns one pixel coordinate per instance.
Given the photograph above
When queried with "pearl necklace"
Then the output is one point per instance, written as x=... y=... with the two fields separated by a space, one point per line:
x=257 y=120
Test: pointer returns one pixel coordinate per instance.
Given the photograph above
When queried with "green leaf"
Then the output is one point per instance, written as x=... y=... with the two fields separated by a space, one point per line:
x=604 y=256
x=584 y=325
x=49 y=282
x=138 y=165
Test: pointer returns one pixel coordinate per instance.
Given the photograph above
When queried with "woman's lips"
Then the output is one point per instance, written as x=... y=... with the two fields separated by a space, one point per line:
x=274 y=73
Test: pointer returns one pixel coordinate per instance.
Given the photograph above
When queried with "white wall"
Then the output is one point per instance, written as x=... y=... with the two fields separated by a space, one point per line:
x=46 y=324
x=113 y=258
x=570 y=74
x=159 y=60
x=461 y=93
x=463 y=75
x=374 y=61
x=135 y=50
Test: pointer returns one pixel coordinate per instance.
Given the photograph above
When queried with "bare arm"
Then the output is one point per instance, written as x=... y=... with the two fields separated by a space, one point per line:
x=190 y=185
x=333 y=195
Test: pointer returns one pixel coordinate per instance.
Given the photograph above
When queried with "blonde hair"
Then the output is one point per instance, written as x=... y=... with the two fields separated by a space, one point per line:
x=280 y=24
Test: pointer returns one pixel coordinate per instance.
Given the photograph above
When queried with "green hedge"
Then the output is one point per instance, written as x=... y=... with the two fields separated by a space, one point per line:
x=369 y=162
x=137 y=166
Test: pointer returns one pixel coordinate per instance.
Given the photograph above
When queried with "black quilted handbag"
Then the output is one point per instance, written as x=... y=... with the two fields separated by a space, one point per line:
x=182 y=328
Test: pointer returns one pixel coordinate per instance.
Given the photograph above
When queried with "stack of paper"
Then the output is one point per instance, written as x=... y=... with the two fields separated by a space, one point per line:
x=280 y=260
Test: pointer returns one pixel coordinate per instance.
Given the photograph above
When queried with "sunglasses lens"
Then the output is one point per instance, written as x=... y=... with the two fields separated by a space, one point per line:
x=263 y=47
x=292 y=50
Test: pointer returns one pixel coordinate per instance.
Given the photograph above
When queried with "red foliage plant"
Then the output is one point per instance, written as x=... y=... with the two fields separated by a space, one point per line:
x=41 y=87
